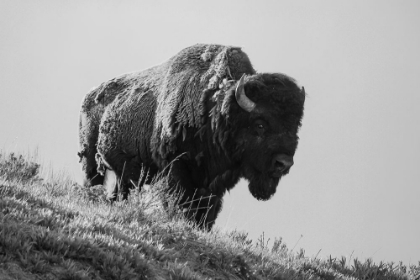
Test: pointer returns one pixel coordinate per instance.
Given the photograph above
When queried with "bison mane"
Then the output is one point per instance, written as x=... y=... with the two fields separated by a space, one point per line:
x=190 y=78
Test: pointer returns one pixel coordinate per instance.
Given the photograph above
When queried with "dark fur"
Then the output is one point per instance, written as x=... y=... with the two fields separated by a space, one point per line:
x=181 y=112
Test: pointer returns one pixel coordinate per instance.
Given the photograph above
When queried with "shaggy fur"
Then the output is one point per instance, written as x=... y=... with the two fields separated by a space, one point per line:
x=184 y=112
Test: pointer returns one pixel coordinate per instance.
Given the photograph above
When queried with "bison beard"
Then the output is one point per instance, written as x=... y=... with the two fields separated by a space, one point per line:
x=256 y=169
x=262 y=186
x=207 y=111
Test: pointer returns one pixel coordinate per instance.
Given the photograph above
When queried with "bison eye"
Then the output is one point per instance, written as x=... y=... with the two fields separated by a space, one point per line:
x=260 y=128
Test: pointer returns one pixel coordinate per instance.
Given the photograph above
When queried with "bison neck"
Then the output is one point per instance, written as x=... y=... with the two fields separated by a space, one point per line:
x=206 y=167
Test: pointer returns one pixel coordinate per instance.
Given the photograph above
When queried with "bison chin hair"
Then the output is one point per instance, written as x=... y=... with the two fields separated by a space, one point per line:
x=262 y=186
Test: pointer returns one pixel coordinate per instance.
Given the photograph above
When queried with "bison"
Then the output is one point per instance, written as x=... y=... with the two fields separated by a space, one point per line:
x=204 y=117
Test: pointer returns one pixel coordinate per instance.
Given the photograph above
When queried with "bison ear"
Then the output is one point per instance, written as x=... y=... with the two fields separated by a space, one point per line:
x=243 y=101
x=303 y=93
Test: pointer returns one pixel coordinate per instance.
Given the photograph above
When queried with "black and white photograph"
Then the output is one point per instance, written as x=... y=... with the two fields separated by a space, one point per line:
x=209 y=139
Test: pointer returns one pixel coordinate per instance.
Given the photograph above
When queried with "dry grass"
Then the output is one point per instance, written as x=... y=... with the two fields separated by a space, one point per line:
x=55 y=229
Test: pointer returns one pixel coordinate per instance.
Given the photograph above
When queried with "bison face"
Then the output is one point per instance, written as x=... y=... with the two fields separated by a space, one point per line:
x=271 y=112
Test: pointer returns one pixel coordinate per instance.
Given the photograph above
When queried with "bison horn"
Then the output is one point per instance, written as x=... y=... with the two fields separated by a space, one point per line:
x=243 y=101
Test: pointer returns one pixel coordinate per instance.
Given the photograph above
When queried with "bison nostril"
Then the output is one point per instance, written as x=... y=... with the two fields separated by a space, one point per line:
x=283 y=162
x=279 y=165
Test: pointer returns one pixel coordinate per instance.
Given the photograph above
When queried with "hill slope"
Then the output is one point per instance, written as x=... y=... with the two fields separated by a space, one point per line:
x=55 y=229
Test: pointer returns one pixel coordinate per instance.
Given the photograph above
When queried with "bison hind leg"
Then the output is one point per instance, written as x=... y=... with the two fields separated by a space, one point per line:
x=111 y=185
x=91 y=176
x=123 y=172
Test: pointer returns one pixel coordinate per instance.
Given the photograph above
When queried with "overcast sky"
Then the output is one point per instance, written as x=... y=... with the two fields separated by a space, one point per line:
x=354 y=188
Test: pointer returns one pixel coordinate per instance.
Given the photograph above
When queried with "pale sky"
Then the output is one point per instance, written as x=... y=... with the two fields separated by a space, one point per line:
x=354 y=188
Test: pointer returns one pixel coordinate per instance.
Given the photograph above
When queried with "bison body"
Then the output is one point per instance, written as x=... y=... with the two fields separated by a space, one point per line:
x=204 y=117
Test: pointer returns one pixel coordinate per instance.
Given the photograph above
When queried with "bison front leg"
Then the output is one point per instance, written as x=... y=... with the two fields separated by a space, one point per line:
x=198 y=204
x=203 y=208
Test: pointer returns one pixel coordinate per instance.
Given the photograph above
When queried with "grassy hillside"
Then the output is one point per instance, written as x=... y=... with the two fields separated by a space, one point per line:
x=55 y=229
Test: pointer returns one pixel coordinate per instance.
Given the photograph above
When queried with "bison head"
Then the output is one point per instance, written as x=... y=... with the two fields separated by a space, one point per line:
x=265 y=119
